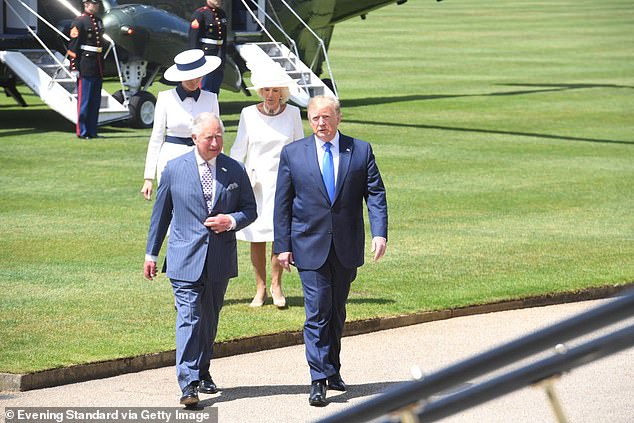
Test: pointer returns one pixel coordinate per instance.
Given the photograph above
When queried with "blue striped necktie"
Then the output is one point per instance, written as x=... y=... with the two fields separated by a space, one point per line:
x=328 y=172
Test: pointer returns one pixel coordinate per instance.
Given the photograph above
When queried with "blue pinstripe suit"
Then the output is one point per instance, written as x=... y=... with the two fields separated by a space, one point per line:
x=199 y=261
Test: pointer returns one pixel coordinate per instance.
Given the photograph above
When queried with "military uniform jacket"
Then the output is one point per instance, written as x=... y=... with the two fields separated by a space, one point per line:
x=86 y=44
x=208 y=31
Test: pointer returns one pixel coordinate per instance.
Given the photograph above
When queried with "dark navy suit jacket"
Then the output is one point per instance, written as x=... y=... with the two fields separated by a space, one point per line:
x=307 y=224
x=181 y=203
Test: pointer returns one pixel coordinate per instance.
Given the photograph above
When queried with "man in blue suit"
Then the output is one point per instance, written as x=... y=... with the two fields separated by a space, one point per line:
x=322 y=181
x=205 y=196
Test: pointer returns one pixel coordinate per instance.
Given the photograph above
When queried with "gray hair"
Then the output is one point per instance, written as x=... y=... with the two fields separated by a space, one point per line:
x=324 y=100
x=285 y=93
x=204 y=118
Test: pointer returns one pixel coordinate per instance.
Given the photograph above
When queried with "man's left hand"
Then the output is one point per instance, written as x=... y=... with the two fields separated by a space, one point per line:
x=379 y=245
x=218 y=223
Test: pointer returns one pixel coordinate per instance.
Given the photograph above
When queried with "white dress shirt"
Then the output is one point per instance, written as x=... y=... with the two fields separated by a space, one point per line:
x=334 y=149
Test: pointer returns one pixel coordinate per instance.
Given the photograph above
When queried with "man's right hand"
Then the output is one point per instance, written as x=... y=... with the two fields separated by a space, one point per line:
x=146 y=190
x=149 y=270
x=285 y=260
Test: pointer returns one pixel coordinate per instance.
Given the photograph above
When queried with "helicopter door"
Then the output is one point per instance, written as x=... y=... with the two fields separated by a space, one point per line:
x=242 y=19
x=12 y=13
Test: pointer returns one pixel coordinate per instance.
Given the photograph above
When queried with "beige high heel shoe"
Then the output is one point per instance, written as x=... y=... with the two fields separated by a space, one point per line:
x=258 y=302
x=279 y=302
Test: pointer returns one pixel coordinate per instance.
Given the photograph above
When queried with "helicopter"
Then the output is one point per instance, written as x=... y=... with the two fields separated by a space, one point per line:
x=145 y=35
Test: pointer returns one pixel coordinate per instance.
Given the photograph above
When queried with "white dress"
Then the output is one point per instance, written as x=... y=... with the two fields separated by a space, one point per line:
x=258 y=145
x=173 y=116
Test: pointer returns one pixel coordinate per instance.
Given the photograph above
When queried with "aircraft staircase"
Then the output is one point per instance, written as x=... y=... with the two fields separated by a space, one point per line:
x=257 y=54
x=45 y=76
x=308 y=84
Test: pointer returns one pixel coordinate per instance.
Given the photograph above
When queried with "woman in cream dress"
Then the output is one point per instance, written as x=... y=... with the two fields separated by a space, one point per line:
x=263 y=130
x=175 y=112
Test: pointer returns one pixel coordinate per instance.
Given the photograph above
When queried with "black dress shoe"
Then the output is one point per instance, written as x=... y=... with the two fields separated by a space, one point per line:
x=190 y=394
x=317 y=396
x=207 y=386
x=336 y=383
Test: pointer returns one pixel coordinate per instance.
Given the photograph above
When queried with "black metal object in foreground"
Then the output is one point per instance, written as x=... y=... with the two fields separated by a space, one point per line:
x=410 y=393
x=528 y=375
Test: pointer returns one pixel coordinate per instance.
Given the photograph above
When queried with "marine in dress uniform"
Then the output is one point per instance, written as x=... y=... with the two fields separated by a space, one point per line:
x=208 y=32
x=85 y=54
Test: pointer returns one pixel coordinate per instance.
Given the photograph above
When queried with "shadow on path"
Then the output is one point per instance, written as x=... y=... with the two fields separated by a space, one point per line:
x=242 y=392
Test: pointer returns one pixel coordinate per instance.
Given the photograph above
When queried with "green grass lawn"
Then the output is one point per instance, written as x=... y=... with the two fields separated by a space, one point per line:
x=504 y=133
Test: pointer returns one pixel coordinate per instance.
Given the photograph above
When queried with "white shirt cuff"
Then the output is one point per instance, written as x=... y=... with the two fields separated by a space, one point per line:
x=233 y=222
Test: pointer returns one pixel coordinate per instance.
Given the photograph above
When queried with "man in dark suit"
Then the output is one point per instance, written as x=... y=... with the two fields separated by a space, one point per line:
x=321 y=184
x=205 y=196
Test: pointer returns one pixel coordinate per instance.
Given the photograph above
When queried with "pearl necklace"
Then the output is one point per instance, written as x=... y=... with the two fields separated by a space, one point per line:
x=270 y=112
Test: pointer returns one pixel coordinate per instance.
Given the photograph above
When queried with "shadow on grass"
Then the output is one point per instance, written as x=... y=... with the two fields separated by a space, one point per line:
x=34 y=121
x=242 y=392
x=548 y=88
x=23 y=122
x=490 y=131
x=299 y=301
x=537 y=89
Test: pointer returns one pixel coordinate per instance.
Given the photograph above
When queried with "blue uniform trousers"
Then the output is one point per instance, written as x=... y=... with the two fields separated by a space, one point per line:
x=88 y=103
x=212 y=81
x=198 y=306
x=325 y=294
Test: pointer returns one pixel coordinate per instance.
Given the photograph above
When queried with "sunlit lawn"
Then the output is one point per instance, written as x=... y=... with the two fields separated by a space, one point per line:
x=504 y=133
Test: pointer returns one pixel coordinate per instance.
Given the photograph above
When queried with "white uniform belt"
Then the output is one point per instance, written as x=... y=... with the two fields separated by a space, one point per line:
x=91 y=48
x=210 y=41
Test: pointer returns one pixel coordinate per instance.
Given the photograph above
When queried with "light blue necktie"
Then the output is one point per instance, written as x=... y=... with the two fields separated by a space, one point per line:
x=328 y=171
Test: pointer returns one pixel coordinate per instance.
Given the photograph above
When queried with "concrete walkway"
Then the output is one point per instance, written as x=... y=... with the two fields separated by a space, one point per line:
x=272 y=386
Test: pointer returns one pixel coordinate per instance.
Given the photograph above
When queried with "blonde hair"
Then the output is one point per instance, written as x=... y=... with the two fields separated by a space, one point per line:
x=324 y=100
x=285 y=93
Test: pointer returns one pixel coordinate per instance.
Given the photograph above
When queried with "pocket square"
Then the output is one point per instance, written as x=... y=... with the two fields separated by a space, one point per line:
x=232 y=186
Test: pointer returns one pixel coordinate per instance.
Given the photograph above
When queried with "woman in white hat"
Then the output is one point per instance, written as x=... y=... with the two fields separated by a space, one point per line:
x=175 y=112
x=263 y=130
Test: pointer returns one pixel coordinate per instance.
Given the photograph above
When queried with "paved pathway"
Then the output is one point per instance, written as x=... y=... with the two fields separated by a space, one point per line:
x=272 y=386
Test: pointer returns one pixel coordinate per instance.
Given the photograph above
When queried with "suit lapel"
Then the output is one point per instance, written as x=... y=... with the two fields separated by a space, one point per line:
x=194 y=176
x=221 y=177
x=345 y=154
x=312 y=162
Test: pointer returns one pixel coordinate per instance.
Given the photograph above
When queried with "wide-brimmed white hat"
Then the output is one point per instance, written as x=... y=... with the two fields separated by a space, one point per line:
x=268 y=76
x=191 y=64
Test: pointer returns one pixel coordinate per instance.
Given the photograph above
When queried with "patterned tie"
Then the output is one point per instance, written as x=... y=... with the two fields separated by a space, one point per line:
x=328 y=170
x=208 y=186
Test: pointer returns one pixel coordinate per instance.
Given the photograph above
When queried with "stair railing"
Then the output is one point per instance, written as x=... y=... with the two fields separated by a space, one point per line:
x=321 y=44
x=61 y=66
x=39 y=40
x=410 y=400
x=290 y=41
